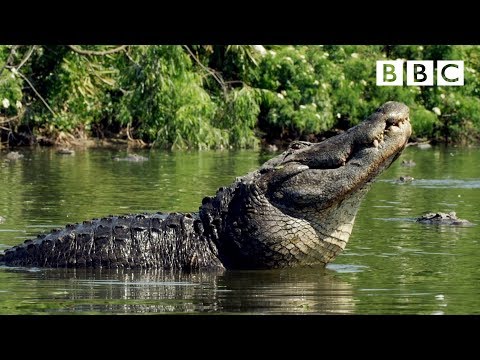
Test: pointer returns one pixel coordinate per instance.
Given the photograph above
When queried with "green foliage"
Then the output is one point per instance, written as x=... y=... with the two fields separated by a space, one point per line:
x=82 y=96
x=165 y=100
x=77 y=88
x=10 y=87
x=238 y=116
x=295 y=94
x=222 y=96
x=425 y=123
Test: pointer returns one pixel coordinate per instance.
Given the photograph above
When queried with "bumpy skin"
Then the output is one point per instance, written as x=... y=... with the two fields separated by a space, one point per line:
x=442 y=219
x=142 y=240
x=297 y=209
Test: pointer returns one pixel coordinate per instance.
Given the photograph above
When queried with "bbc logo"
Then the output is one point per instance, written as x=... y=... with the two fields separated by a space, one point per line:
x=420 y=73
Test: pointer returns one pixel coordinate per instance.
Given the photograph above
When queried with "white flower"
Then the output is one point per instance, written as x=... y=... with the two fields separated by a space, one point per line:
x=420 y=48
x=325 y=55
x=339 y=115
x=260 y=49
x=289 y=59
x=302 y=57
x=303 y=107
x=273 y=53
x=457 y=102
x=354 y=55
x=316 y=82
x=363 y=82
x=18 y=104
x=437 y=111
x=280 y=95
x=314 y=105
x=6 y=103
x=284 y=92
x=442 y=96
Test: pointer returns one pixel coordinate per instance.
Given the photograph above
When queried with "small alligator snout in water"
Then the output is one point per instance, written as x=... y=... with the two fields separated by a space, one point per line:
x=440 y=218
x=297 y=209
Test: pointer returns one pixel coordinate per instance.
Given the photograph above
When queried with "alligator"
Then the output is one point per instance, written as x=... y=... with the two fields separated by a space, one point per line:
x=408 y=163
x=297 y=209
x=131 y=158
x=405 y=179
x=440 y=218
x=65 y=151
x=14 y=155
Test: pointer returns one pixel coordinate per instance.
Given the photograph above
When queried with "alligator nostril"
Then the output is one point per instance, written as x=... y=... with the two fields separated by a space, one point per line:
x=392 y=121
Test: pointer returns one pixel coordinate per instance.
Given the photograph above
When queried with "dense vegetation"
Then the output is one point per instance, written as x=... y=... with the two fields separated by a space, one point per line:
x=222 y=96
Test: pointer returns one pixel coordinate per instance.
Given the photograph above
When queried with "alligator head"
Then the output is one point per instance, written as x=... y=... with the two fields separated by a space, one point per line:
x=299 y=207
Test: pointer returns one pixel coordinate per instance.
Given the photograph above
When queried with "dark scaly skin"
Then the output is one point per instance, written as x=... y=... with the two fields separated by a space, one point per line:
x=142 y=240
x=298 y=209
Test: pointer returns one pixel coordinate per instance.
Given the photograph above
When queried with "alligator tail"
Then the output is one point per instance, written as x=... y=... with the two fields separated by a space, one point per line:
x=170 y=241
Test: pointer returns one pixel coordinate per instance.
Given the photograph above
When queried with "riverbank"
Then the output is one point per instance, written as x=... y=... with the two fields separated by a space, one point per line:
x=213 y=97
x=121 y=139
x=80 y=139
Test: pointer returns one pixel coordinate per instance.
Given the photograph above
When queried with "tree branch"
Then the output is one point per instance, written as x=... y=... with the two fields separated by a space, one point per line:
x=9 y=58
x=26 y=57
x=36 y=92
x=212 y=72
x=99 y=53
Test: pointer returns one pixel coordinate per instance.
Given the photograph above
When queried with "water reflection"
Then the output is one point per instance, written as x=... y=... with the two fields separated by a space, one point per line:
x=158 y=291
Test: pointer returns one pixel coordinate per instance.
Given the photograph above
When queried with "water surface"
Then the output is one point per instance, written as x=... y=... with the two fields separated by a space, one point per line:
x=392 y=265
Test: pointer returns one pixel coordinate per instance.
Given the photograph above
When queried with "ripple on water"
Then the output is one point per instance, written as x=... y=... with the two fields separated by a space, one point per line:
x=134 y=283
x=442 y=183
x=346 y=268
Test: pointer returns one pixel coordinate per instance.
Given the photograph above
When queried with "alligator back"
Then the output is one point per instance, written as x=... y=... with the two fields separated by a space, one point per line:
x=169 y=241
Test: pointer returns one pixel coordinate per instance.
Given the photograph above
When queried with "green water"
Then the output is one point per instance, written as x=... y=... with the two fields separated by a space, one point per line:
x=391 y=265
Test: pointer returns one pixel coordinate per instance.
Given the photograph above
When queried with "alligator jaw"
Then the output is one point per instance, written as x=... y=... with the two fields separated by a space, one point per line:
x=327 y=172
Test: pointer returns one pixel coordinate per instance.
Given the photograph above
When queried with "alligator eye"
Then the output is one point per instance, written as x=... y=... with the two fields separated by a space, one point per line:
x=299 y=145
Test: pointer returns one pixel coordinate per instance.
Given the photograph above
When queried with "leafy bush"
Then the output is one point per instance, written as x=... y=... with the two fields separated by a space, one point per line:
x=10 y=87
x=294 y=99
x=204 y=96
x=425 y=123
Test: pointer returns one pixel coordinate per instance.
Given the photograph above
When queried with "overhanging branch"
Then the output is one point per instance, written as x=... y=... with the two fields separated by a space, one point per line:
x=99 y=53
